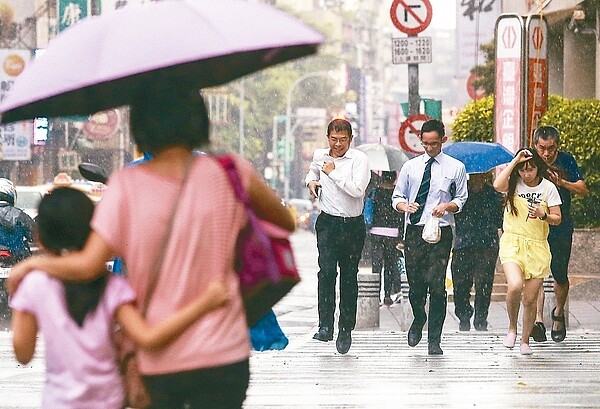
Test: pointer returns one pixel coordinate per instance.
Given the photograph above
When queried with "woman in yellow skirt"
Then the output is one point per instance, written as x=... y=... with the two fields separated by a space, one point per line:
x=532 y=203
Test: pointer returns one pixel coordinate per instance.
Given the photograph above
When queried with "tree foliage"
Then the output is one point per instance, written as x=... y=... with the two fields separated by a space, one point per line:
x=475 y=122
x=486 y=72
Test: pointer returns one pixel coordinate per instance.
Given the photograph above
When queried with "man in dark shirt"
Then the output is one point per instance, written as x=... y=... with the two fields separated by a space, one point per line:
x=567 y=177
x=475 y=251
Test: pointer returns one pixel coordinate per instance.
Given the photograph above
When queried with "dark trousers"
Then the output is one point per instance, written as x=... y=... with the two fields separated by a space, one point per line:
x=426 y=272
x=340 y=242
x=473 y=265
x=385 y=259
x=222 y=387
x=560 y=248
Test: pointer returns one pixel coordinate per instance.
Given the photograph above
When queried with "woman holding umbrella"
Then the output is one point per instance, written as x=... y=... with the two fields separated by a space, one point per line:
x=208 y=365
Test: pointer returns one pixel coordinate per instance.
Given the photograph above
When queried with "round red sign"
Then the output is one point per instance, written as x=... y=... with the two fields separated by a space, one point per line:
x=411 y=16
x=409 y=135
x=102 y=125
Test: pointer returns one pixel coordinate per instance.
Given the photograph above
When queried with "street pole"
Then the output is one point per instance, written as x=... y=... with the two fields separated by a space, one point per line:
x=288 y=128
x=241 y=130
x=275 y=161
x=414 y=100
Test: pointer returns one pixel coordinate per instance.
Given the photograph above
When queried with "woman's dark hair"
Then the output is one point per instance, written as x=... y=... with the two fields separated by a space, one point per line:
x=536 y=161
x=63 y=224
x=339 y=125
x=164 y=114
x=387 y=177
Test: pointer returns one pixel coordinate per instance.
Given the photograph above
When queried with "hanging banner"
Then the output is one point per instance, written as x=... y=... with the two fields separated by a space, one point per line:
x=536 y=62
x=15 y=138
x=508 y=120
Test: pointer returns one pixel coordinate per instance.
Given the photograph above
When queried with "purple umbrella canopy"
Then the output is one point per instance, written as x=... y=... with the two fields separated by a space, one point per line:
x=101 y=61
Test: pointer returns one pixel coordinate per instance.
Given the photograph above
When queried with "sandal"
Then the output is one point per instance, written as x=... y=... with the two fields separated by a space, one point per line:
x=558 y=335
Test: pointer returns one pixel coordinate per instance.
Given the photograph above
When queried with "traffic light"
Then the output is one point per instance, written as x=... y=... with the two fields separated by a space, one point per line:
x=281 y=148
x=433 y=108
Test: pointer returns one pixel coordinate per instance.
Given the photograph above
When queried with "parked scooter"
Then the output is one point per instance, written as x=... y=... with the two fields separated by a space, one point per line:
x=93 y=172
x=7 y=260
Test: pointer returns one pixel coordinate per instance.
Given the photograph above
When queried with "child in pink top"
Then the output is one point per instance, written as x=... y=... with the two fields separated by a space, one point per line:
x=77 y=319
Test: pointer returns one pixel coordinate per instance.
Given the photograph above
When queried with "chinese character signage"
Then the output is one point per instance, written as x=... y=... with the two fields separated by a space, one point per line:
x=15 y=138
x=537 y=73
x=508 y=121
x=70 y=12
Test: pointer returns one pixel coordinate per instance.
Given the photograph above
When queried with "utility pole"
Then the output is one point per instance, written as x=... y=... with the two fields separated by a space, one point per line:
x=288 y=129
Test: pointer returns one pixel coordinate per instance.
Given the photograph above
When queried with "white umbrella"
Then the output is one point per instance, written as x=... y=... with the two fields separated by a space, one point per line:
x=384 y=157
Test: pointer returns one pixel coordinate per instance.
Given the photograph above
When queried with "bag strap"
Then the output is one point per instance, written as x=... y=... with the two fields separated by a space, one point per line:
x=227 y=163
x=159 y=260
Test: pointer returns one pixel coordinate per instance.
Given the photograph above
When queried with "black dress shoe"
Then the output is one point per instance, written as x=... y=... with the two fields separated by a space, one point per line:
x=464 y=325
x=414 y=336
x=434 y=349
x=538 y=332
x=480 y=326
x=323 y=334
x=344 y=340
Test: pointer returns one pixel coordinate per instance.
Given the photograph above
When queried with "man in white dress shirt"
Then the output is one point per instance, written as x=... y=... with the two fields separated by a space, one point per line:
x=339 y=176
x=430 y=185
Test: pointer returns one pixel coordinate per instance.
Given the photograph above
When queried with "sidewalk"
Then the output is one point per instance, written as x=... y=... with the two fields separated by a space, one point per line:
x=382 y=371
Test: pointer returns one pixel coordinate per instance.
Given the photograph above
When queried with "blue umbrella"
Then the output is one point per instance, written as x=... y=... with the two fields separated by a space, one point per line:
x=479 y=157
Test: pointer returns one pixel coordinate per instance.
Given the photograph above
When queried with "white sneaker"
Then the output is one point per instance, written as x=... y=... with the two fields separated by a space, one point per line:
x=526 y=349
x=510 y=339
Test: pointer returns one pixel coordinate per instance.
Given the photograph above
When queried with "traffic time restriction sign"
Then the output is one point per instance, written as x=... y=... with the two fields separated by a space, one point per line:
x=411 y=16
x=409 y=135
x=411 y=50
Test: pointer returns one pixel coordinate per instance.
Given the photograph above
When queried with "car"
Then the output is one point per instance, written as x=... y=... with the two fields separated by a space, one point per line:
x=301 y=211
x=29 y=197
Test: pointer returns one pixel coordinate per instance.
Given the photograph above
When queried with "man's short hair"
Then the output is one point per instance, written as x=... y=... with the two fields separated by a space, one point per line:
x=434 y=125
x=339 y=125
x=546 y=133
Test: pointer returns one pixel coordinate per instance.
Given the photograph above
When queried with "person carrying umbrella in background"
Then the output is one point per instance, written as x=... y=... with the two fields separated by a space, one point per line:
x=476 y=231
x=432 y=185
x=386 y=234
x=568 y=178
x=475 y=251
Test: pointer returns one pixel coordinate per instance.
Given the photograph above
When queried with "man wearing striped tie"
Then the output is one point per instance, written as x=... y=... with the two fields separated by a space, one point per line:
x=430 y=185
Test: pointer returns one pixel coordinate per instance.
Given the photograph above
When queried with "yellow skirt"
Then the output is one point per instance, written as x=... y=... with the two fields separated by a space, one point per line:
x=532 y=256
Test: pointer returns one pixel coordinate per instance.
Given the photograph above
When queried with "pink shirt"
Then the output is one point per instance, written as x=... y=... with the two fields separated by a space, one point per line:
x=81 y=370
x=132 y=217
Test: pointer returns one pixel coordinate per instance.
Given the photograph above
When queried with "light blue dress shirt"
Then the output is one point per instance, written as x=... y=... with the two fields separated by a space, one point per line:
x=448 y=184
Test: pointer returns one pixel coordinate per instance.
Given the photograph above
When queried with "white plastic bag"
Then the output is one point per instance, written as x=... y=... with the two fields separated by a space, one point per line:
x=432 y=232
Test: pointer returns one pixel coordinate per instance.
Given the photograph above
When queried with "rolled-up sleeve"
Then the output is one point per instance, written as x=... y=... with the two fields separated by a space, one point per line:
x=400 y=194
x=460 y=198
x=314 y=171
